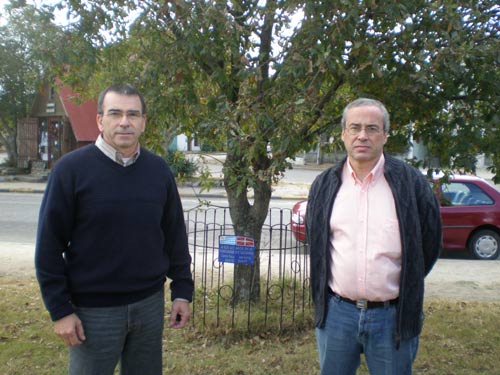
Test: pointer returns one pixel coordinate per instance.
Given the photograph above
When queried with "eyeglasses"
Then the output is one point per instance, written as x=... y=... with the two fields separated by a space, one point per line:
x=133 y=116
x=355 y=129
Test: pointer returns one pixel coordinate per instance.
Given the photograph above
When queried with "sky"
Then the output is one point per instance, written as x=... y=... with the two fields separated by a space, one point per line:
x=60 y=15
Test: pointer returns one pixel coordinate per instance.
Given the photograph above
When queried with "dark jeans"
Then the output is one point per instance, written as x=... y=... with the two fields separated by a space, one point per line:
x=349 y=331
x=131 y=334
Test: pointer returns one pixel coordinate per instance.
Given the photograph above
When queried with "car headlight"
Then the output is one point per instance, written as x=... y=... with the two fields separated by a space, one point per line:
x=297 y=219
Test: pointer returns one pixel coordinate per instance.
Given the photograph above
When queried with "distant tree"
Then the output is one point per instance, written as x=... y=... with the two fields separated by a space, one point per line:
x=251 y=72
x=28 y=39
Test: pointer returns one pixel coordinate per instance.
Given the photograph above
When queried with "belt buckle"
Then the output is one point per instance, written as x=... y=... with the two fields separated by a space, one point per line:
x=362 y=304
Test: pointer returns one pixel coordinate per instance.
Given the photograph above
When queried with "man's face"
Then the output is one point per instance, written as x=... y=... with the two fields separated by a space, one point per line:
x=122 y=122
x=364 y=136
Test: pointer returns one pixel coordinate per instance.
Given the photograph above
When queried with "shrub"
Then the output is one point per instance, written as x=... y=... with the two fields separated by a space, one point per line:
x=180 y=166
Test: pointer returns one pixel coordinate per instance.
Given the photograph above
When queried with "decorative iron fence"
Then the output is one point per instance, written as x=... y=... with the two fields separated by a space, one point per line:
x=285 y=301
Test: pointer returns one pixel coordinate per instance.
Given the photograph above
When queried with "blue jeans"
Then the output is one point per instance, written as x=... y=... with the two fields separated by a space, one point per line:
x=131 y=334
x=350 y=331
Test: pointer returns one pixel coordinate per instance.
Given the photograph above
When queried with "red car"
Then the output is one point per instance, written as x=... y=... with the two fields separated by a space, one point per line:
x=470 y=212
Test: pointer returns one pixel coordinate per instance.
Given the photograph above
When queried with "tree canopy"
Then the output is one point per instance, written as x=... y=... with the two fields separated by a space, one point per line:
x=28 y=39
x=280 y=71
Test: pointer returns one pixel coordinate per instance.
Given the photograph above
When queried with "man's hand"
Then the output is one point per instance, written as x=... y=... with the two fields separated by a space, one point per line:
x=180 y=314
x=70 y=330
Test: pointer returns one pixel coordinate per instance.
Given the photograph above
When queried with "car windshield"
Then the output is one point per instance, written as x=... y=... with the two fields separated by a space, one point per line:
x=463 y=194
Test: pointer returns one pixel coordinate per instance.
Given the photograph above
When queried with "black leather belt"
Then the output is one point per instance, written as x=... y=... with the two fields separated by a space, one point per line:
x=364 y=304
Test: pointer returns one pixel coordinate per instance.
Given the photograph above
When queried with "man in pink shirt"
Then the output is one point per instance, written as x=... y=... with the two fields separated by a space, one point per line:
x=374 y=233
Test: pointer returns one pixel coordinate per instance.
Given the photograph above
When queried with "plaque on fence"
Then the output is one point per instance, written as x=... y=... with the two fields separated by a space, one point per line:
x=236 y=249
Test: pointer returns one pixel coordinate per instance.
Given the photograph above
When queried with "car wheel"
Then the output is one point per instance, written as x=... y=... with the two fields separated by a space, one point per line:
x=484 y=244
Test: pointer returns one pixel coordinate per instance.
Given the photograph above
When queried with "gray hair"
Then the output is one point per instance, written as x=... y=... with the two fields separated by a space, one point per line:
x=366 y=102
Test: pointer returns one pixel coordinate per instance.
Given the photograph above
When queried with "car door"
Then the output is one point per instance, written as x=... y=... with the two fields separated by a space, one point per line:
x=464 y=207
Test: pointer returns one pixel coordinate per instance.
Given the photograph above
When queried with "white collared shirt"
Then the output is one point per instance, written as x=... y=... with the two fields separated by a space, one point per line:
x=115 y=155
x=365 y=243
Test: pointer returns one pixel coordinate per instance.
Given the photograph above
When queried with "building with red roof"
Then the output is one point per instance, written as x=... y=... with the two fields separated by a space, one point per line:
x=60 y=122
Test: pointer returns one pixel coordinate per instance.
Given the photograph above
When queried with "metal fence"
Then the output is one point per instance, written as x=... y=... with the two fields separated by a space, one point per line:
x=285 y=301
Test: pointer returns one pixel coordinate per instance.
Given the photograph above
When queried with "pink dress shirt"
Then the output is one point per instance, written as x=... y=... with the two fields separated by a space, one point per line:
x=365 y=244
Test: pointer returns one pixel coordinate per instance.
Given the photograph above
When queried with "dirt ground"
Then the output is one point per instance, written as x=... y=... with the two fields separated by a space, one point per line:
x=464 y=280
x=453 y=277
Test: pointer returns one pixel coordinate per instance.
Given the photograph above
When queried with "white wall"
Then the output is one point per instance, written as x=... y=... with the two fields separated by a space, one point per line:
x=182 y=143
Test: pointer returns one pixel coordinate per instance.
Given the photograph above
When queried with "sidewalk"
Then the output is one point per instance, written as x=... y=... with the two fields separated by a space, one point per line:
x=294 y=185
x=285 y=189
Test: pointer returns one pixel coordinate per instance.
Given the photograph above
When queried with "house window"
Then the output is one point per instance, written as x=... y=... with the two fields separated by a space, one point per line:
x=43 y=141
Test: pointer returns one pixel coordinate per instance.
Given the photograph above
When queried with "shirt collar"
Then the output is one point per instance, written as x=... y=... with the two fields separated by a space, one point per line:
x=115 y=155
x=374 y=174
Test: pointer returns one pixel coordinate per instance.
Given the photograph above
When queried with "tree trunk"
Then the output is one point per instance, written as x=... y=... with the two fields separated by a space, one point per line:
x=247 y=221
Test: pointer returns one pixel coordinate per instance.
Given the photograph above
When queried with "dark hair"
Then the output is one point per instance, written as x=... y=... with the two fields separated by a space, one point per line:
x=365 y=102
x=123 y=89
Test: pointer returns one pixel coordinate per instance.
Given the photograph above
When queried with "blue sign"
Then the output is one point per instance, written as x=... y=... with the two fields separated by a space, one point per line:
x=236 y=249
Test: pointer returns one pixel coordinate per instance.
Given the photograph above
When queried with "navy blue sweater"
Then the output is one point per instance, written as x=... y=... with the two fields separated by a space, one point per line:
x=109 y=235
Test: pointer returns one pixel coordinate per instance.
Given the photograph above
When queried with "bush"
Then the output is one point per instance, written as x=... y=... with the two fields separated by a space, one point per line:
x=180 y=166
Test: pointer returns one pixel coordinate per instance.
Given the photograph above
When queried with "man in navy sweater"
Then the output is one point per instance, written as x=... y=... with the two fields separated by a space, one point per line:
x=111 y=230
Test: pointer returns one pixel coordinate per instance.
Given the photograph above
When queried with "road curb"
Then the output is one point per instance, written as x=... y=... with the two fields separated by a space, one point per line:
x=22 y=190
x=181 y=193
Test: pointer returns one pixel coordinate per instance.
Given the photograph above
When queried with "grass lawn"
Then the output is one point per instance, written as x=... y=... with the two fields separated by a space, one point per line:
x=459 y=338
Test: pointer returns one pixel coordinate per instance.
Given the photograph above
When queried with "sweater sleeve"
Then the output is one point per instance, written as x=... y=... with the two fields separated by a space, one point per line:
x=53 y=236
x=176 y=245
x=430 y=224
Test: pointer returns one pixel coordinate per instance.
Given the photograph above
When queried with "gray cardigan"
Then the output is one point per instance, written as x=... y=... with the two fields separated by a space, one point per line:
x=421 y=239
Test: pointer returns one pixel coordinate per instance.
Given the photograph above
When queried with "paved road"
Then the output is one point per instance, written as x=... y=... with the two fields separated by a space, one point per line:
x=18 y=223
